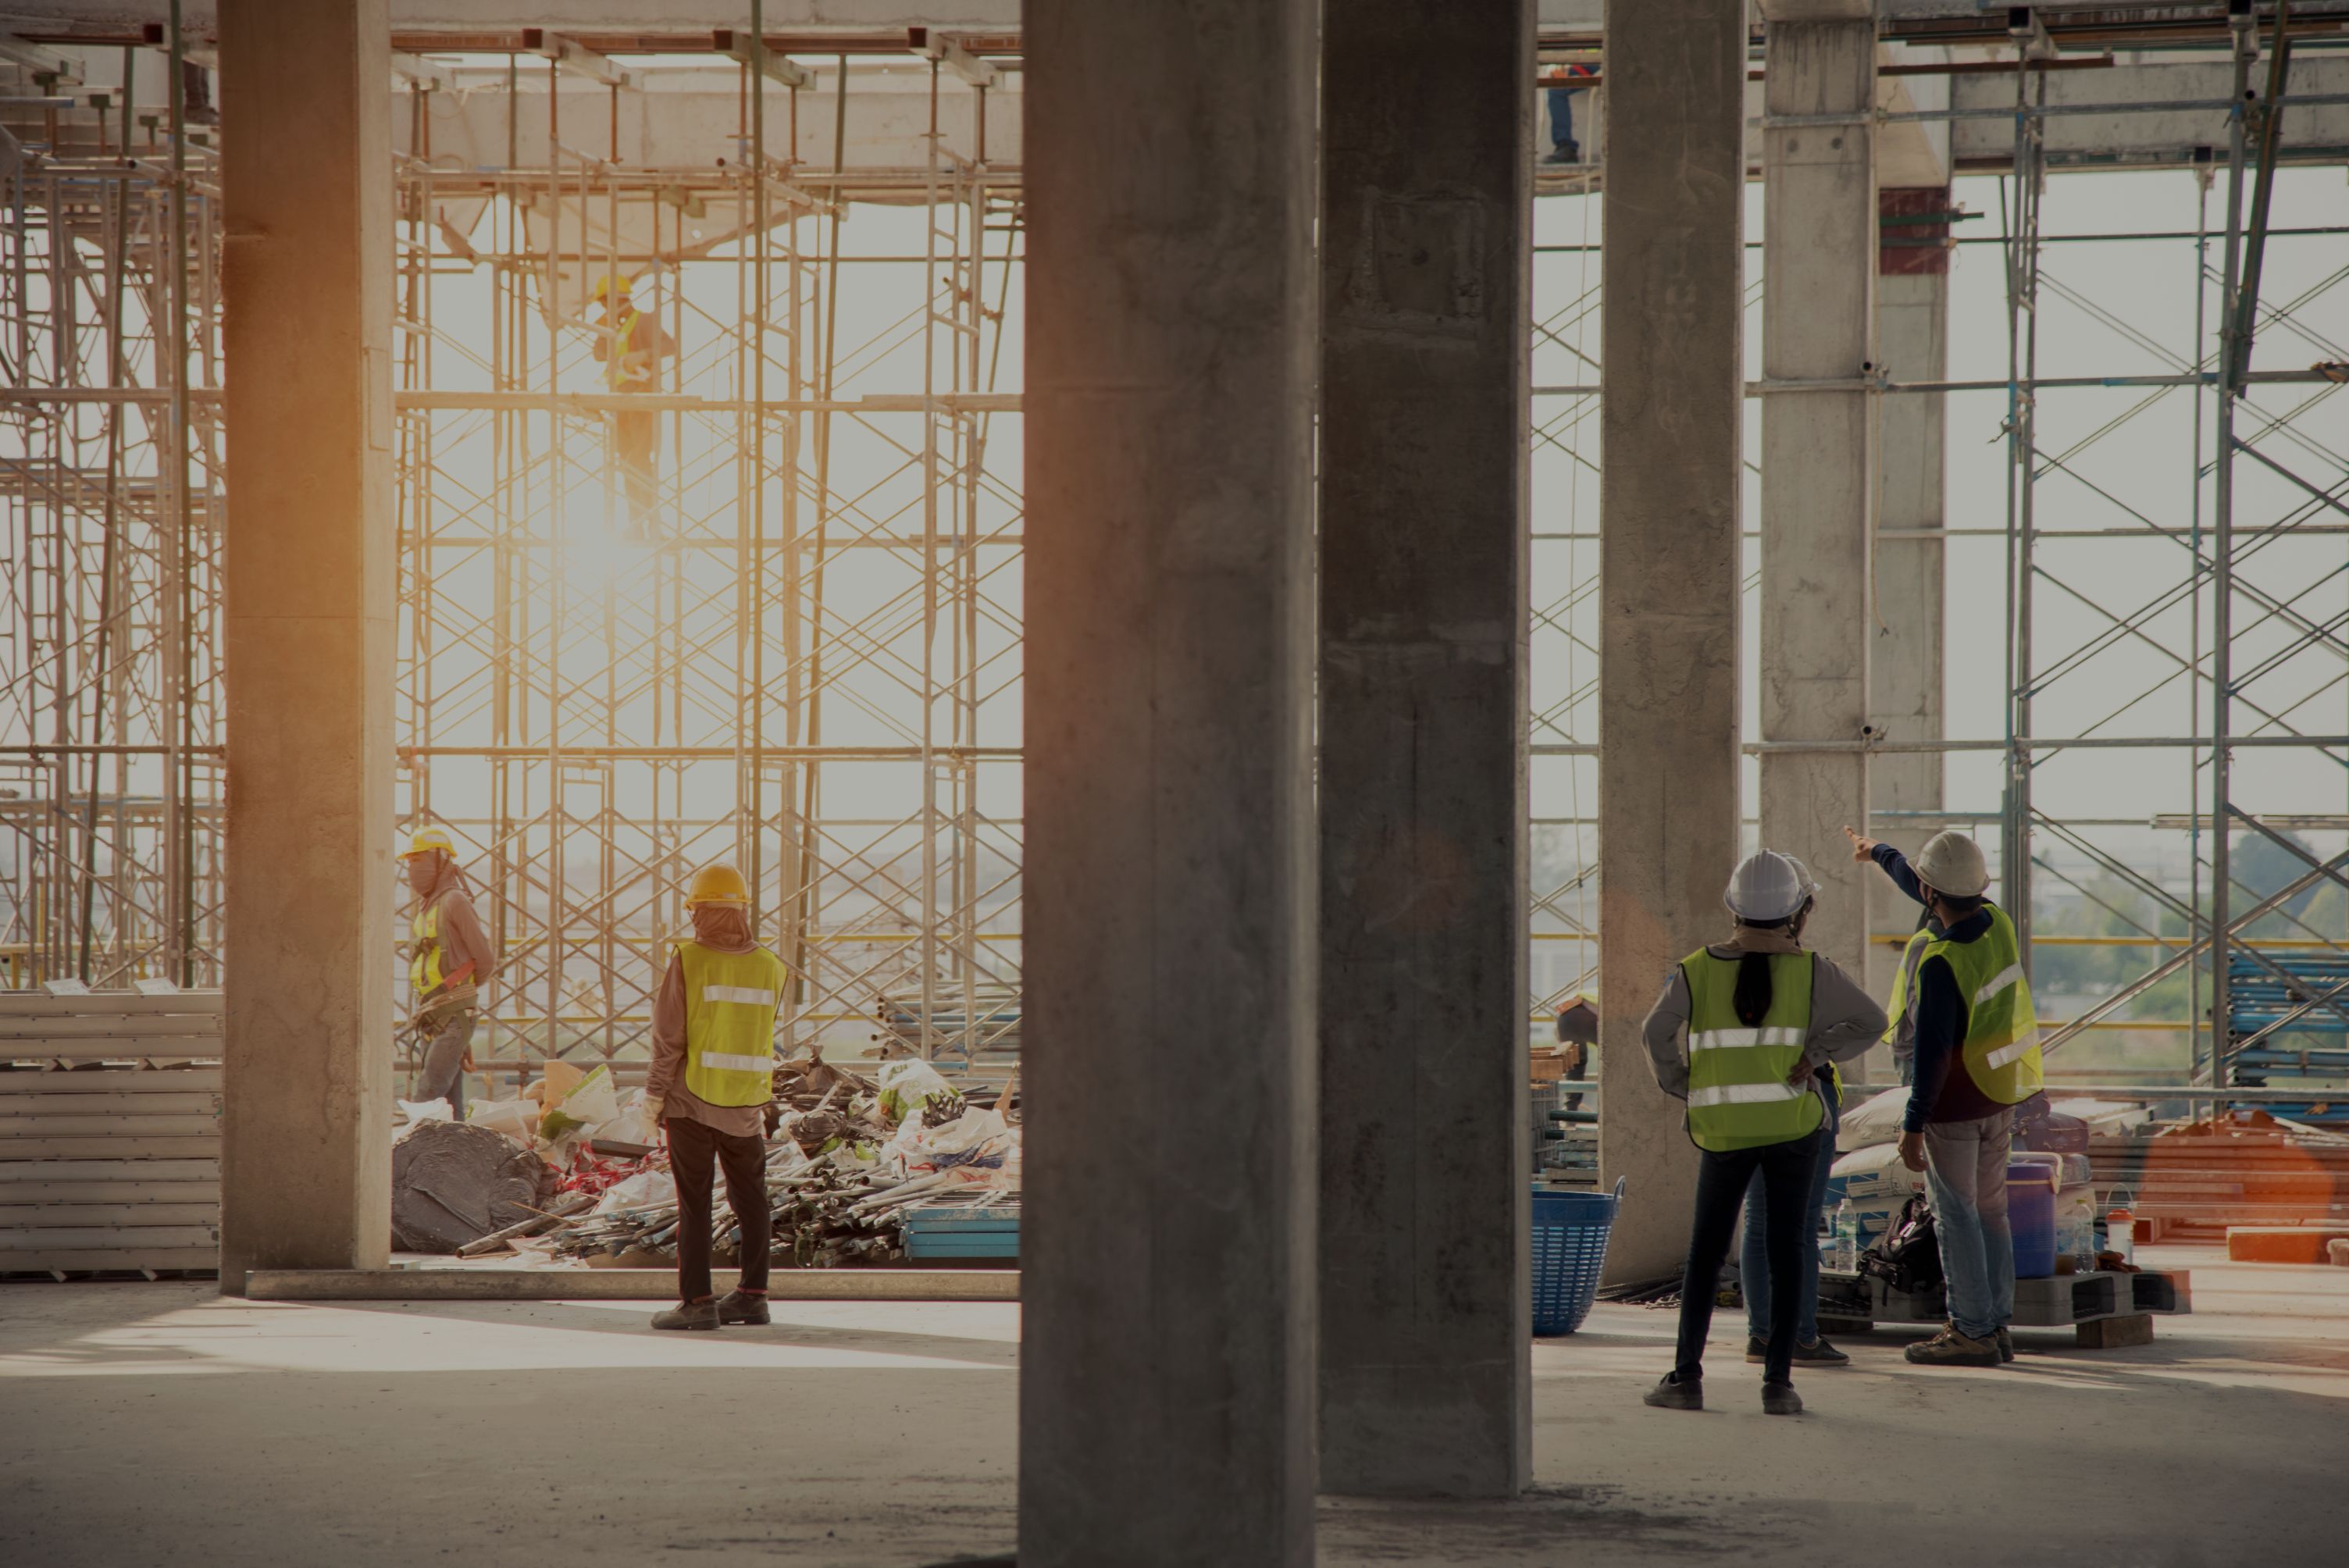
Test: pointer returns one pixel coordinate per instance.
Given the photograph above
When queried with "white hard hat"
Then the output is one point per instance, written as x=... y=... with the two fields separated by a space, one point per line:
x=1768 y=886
x=1952 y=863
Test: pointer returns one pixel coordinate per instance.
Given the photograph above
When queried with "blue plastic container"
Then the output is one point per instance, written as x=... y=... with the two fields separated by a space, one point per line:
x=1570 y=1250
x=2031 y=1214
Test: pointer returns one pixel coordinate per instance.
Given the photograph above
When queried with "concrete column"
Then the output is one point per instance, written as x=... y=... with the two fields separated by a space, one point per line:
x=305 y=1166
x=1167 y=1374
x=1913 y=325
x=1819 y=324
x=1426 y=202
x=1668 y=563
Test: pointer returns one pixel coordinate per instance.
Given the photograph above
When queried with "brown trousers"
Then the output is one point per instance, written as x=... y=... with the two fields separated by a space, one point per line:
x=695 y=1151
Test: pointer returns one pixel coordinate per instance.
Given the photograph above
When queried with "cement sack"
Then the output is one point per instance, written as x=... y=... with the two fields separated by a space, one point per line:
x=453 y=1183
x=1877 y=1121
x=593 y=1098
x=1875 y=1183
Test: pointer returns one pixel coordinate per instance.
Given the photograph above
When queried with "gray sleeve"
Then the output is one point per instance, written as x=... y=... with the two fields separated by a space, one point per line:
x=1666 y=1019
x=1844 y=1019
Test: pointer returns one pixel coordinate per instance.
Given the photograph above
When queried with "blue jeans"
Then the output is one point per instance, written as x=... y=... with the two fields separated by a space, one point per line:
x=1965 y=1168
x=1754 y=1260
x=1562 y=117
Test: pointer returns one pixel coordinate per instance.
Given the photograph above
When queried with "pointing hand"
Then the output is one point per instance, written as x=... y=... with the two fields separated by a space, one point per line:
x=1861 y=849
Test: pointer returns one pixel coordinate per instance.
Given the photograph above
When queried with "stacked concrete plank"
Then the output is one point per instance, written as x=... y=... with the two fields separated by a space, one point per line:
x=109 y=1132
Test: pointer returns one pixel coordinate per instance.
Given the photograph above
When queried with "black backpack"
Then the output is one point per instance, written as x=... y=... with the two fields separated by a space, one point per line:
x=1908 y=1255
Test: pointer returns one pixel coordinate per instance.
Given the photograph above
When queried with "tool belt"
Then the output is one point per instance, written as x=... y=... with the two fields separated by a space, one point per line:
x=438 y=1012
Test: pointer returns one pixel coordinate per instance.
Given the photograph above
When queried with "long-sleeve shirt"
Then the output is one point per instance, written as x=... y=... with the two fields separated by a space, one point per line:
x=463 y=940
x=666 y=1079
x=1844 y=1019
x=1942 y=1090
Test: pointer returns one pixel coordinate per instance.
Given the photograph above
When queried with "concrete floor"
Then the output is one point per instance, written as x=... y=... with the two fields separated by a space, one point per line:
x=158 y=1423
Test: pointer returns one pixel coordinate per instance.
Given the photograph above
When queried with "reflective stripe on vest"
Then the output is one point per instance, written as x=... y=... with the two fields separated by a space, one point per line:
x=730 y=1023
x=424 y=971
x=2001 y=1044
x=1738 y=1094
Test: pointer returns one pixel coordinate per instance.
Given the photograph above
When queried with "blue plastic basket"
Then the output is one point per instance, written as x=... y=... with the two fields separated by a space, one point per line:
x=1570 y=1249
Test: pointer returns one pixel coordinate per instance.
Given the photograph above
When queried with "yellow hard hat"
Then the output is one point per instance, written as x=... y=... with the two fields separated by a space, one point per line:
x=611 y=283
x=427 y=839
x=717 y=885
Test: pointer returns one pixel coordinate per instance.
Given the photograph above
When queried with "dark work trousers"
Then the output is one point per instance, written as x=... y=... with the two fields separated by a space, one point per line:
x=635 y=442
x=693 y=1150
x=1721 y=1183
x=444 y=1063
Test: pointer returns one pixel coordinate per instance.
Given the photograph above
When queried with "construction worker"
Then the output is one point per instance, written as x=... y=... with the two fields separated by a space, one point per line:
x=1966 y=1005
x=712 y=1088
x=631 y=348
x=450 y=956
x=1760 y=1015
x=1811 y=1348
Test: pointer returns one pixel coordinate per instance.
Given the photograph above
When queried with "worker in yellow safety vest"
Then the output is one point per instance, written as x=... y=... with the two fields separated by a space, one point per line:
x=448 y=958
x=712 y=1084
x=1760 y=1015
x=631 y=346
x=1964 y=1002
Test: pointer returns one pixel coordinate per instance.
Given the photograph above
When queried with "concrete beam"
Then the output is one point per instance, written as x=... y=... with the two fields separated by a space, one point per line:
x=1818 y=273
x=1166 y=1378
x=1668 y=564
x=305 y=1162
x=430 y=1283
x=1425 y=1370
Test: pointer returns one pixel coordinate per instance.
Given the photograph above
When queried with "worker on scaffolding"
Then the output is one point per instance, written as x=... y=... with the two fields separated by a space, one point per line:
x=712 y=1087
x=449 y=957
x=1965 y=1003
x=631 y=346
x=1761 y=1015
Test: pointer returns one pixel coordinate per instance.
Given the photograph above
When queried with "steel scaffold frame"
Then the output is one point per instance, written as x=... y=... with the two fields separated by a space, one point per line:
x=97 y=620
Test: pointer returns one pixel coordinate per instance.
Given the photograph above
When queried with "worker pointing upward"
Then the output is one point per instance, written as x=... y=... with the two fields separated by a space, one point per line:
x=712 y=1084
x=1962 y=997
x=448 y=959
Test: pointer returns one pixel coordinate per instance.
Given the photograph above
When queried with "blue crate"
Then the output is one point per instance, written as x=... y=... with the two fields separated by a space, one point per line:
x=1569 y=1252
x=949 y=1229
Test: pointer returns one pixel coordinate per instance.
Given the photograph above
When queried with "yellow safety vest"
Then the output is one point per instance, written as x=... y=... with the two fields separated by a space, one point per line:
x=730 y=1023
x=2001 y=1045
x=424 y=973
x=1738 y=1094
x=615 y=376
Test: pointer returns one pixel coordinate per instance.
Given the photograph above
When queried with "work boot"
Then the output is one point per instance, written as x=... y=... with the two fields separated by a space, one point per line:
x=1819 y=1353
x=1672 y=1394
x=735 y=1306
x=2006 y=1344
x=1757 y=1349
x=688 y=1314
x=1951 y=1349
x=1563 y=152
x=1780 y=1399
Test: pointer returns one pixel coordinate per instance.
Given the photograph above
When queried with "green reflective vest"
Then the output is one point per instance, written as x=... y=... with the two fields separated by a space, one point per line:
x=424 y=970
x=2002 y=1046
x=730 y=1023
x=1738 y=1094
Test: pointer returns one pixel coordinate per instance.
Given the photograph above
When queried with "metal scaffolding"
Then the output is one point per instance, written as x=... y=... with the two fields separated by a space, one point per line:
x=805 y=654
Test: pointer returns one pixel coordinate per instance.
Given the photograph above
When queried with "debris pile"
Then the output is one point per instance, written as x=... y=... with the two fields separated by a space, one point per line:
x=847 y=1156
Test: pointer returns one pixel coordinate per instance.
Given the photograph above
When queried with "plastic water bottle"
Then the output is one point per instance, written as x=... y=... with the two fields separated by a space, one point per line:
x=1847 y=1239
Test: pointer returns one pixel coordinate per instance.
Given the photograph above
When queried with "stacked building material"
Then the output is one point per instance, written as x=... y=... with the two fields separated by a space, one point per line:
x=2191 y=1183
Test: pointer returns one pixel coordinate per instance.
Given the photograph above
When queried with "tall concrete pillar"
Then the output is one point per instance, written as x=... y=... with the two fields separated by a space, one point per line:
x=1819 y=324
x=1668 y=564
x=1167 y=1272
x=1426 y=204
x=1912 y=342
x=305 y=1166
